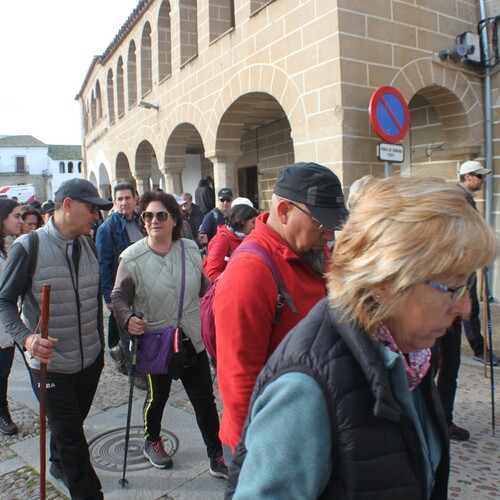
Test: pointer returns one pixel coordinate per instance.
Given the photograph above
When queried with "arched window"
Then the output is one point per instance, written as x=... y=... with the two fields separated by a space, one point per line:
x=62 y=170
x=70 y=167
x=189 y=29
x=221 y=17
x=146 y=64
x=111 y=96
x=79 y=167
x=164 y=42
x=98 y=100
x=120 y=91
x=132 y=75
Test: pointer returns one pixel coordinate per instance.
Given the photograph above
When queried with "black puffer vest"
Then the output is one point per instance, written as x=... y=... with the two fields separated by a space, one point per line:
x=376 y=452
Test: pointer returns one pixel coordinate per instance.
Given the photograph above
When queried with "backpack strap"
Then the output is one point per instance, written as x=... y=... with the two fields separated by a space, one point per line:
x=33 y=242
x=283 y=295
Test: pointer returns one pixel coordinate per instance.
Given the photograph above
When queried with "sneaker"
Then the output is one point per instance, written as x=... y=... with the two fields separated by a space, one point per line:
x=480 y=357
x=457 y=433
x=57 y=472
x=218 y=467
x=6 y=425
x=116 y=353
x=141 y=382
x=156 y=454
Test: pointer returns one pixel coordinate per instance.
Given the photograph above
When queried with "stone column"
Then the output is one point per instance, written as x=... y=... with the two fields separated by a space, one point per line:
x=105 y=191
x=143 y=185
x=225 y=173
x=173 y=177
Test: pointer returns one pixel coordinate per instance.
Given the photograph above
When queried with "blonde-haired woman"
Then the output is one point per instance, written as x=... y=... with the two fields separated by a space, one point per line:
x=352 y=380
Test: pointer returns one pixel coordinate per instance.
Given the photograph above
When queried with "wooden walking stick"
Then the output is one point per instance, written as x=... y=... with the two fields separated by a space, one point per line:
x=41 y=393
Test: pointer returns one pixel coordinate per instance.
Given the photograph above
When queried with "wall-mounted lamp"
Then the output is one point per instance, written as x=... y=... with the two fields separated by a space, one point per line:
x=148 y=105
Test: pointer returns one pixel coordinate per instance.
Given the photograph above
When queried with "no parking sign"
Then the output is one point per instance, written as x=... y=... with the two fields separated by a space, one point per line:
x=389 y=114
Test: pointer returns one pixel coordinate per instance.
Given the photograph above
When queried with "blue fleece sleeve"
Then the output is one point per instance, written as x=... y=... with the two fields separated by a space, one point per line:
x=288 y=442
x=105 y=250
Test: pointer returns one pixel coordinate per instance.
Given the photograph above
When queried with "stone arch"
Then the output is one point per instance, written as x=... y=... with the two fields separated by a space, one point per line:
x=123 y=171
x=454 y=98
x=185 y=159
x=144 y=156
x=269 y=80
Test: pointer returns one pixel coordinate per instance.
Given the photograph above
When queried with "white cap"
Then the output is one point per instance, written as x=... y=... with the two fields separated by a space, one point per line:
x=241 y=201
x=473 y=167
x=179 y=200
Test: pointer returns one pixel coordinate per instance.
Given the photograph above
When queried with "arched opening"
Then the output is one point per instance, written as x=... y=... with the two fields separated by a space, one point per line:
x=146 y=64
x=98 y=99
x=132 y=75
x=185 y=162
x=110 y=95
x=120 y=90
x=188 y=13
x=164 y=42
x=256 y=131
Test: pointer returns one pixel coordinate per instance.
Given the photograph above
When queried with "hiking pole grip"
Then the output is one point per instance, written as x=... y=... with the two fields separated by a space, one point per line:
x=42 y=390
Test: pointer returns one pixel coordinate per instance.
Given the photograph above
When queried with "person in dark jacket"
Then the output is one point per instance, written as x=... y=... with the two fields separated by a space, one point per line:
x=204 y=195
x=122 y=228
x=352 y=381
x=192 y=213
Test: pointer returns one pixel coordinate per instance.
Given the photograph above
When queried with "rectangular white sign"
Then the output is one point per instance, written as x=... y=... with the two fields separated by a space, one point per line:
x=390 y=152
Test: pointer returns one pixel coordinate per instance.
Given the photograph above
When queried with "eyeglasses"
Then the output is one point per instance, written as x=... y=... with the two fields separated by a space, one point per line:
x=93 y=209
x=479 y=176
x=456 y=293
x=149 y=216
x=225 y=200
x=321 y=227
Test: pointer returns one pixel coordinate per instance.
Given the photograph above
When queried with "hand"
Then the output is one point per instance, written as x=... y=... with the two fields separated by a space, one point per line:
x=40 y=349
x=203 y=239
x=136 y=325
x=109 y=306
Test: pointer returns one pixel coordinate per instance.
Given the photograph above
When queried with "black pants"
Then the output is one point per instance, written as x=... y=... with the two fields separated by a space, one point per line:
x=472 y=327
x=69 y=398
x=197 y=382
x=113 y=333
x=6 y=360
x=446 y=360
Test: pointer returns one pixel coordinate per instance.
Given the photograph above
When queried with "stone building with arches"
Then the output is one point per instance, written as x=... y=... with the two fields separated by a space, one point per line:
x=238 y=89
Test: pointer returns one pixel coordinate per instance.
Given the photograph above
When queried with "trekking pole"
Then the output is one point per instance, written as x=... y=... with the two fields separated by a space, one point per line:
x=42 y=394
x=490 y=341
x=135 y=346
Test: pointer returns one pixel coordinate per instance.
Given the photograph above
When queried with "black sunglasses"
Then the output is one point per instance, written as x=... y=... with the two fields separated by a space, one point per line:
x=92 y=208
x=225 y=200
x=149 y=216
x=479 y=176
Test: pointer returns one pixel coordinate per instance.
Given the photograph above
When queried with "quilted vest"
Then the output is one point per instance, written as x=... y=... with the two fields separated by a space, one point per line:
x=376 y=452
x=73 y=317
x=157 y=281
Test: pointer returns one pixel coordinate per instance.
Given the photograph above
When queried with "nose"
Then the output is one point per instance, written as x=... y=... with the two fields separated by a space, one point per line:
x=329 y=235
x=463 y=306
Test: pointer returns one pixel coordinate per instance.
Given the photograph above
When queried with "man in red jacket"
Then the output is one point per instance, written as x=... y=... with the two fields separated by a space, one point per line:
x=306 y=207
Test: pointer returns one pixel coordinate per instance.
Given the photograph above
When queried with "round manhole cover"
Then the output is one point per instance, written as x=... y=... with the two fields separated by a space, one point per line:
x=107 y=450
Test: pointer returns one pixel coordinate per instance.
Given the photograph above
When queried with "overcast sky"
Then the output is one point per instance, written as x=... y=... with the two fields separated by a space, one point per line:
x=46 y=48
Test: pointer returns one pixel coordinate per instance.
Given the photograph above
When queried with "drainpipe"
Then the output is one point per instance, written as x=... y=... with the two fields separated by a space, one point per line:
x=488 y=123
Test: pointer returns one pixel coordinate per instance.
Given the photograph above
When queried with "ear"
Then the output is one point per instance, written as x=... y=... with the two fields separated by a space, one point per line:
x=67 y=204
x=379 y=294
x=283 y=209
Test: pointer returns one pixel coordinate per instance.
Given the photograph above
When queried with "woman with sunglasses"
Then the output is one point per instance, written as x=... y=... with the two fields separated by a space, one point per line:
x=149 y=281
x=240 y=223
x=352 y=381
x=10 y=225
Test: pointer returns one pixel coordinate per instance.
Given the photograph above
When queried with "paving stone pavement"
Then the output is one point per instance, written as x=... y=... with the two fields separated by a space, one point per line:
x=475 y=464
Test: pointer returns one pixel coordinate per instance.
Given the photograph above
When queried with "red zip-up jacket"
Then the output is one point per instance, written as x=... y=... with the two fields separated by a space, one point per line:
x=244 y=311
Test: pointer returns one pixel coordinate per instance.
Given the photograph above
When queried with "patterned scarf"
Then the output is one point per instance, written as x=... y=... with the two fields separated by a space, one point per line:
x=418 y=363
